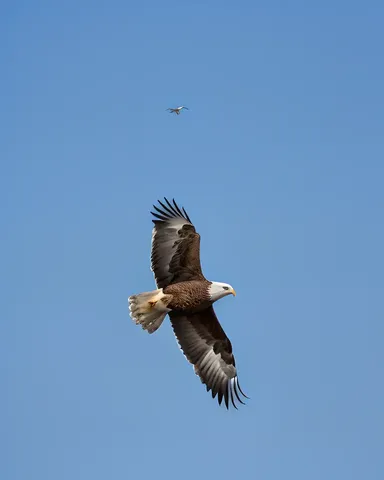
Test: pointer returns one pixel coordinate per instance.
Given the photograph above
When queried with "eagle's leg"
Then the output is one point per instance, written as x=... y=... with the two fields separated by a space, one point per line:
x=149 y=309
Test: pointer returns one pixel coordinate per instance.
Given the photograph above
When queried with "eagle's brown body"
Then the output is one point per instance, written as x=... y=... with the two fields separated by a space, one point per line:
x=190 y=296
x=187 y=297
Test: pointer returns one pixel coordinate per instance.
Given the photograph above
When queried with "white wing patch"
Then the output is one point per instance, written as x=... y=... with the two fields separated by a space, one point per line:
x=213 y=362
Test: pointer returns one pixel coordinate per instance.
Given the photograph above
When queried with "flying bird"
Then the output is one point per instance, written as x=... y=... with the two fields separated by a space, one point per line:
x=187 y=297
x=177 y=110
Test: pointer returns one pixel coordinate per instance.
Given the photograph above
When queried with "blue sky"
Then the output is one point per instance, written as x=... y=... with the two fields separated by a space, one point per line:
x=279 y=163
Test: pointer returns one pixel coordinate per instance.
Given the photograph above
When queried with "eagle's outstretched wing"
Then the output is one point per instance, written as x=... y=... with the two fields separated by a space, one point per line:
x=206 y=346
x=175 y=252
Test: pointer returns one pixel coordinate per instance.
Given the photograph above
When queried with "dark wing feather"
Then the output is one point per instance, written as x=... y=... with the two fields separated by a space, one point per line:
x=175 y=252
x=205 y=345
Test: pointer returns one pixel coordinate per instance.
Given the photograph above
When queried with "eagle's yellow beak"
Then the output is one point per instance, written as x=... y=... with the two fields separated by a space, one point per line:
x=233 y=292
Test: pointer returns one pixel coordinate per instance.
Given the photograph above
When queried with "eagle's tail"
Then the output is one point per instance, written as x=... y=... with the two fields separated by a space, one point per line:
x=149 y=309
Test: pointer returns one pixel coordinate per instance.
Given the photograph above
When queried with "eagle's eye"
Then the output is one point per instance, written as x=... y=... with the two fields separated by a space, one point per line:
x=226 y=288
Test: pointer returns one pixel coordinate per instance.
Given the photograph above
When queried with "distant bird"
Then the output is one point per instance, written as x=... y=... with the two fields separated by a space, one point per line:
x=177 y=110
x=187 y=297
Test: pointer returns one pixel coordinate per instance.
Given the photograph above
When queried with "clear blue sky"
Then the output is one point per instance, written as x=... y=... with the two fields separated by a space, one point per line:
x=279 y=163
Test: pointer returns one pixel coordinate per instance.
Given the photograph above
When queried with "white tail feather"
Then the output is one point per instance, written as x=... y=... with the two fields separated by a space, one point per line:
x=149 y=309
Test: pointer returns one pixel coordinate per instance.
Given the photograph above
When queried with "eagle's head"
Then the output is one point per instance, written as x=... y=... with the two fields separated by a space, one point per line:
x=219 y=290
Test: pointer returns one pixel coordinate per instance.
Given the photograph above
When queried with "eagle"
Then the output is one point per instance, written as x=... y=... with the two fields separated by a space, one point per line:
x=177 y=110
x=187 y=297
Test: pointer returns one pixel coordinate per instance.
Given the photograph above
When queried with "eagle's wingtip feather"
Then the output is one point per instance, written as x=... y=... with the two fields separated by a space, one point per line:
x=170 y=209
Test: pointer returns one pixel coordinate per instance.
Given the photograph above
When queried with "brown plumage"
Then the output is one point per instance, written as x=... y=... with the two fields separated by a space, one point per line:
x=187 y=297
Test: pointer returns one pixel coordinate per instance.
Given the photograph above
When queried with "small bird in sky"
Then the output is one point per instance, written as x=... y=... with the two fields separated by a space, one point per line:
x=177 y=110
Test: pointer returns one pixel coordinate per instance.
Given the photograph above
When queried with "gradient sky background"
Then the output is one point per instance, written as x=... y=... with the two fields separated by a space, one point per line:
x=279 y=163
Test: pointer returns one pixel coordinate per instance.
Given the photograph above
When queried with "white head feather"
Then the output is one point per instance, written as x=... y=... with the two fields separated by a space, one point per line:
x=219 y=290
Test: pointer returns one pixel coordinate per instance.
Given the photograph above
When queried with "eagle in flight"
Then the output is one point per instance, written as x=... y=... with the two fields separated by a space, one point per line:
x=187 y=297
x=177 y=110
